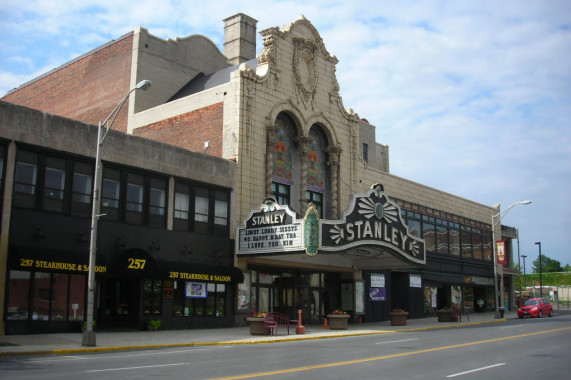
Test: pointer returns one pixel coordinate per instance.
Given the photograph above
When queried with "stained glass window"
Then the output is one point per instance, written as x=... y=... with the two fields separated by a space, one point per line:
x=316 y=160
x=282 y=157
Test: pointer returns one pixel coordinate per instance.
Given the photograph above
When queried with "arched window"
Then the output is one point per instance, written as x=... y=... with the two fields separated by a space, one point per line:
x=282 y=159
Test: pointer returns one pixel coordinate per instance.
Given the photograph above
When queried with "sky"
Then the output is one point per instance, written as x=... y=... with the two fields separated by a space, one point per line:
x=473 y=97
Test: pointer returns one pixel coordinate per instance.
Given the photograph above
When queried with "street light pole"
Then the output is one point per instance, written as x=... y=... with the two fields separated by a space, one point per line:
x=524 y=276
x=540 y=282
x=494 y=222
x=518 y=262
x=88 y=338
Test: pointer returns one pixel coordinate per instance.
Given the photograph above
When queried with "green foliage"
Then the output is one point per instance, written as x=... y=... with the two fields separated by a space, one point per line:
x=547 y=279
x=547 y=265
x=154 y=324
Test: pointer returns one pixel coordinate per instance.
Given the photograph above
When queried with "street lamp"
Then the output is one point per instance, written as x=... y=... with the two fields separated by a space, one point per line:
x=540 y=283
x=88 y=338
x=524 y=276
x=494 y=222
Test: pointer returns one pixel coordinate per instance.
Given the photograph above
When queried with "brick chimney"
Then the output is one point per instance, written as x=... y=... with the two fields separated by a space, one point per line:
x=239 y=38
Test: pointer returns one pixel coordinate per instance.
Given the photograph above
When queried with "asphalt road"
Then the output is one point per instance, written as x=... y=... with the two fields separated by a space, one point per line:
x=517 y=349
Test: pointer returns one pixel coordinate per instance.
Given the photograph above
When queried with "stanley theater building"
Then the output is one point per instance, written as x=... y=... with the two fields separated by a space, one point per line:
x=315 y=220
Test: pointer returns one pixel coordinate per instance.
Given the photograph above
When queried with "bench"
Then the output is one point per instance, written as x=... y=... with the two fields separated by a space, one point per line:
x=274 y=320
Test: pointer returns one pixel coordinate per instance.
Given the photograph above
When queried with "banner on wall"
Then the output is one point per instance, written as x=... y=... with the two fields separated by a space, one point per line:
x=501 y=251
x=196 y=290
x=378 y=294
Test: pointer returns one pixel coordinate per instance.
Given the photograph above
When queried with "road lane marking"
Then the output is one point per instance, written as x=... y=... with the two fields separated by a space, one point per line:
x=365 y=360
x=153 y=353
x=139 y=367
x=510 y=327
x=397 y=341
x=476 y=370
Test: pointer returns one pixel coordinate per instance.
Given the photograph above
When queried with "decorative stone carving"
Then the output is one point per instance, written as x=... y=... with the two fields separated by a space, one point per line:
x=269 y=53
x=271 y=131
x=334 y=160
x=305 y=71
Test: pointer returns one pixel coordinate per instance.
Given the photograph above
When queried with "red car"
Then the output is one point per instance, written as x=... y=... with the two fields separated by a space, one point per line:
x=535 y=307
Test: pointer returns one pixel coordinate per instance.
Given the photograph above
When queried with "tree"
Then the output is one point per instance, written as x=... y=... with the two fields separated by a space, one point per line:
x=567 y=268
x=547 y=265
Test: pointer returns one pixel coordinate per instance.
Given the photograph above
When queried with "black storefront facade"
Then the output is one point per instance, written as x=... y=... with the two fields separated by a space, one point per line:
x=163 y=245
x=142 y=274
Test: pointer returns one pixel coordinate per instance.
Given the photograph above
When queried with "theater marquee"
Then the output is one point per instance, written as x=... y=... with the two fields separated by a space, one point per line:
x=371 y=223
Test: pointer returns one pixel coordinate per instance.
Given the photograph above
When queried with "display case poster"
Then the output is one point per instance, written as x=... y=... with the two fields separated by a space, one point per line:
x=377 y=280
x=378 y=294
x=196 y=290
x=359 y=297
x=415 y=281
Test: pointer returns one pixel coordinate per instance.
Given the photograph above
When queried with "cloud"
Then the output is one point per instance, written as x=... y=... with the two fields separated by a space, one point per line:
x=472 y=97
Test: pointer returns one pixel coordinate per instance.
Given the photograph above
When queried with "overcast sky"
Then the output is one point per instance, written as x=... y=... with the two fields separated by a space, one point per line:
x=473 y=97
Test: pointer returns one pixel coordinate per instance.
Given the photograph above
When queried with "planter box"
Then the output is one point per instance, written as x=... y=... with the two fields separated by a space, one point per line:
x=258 y=326
x=446 y=316
x=338 y=321
x=398 y=318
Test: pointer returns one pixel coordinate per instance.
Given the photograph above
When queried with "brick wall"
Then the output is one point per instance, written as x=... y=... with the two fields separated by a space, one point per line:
x=85 y=89
x=190 y=130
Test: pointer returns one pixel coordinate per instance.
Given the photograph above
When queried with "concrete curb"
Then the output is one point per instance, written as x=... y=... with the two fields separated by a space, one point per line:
x=235 y=342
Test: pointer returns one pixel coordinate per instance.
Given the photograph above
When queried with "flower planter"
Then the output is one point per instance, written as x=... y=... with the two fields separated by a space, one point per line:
x=338 y=321
x=258 y=326
x=398 y=318
x=445 y=316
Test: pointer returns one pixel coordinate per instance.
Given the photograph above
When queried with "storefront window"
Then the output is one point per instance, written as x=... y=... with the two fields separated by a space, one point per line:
x=429 y=236
x=60 y=284
x=111 y=189
x=42 y=296
x=467 y=242
x=25 y=179
x=209 y=302
x=487 y=245
x=157 y=202
x=220 y=300
x=442 y=240
x=244 y=293
x=55 y=296
x=413 y=227
x=134 y=203
x=81 y=189
x=221 y=208
x=454 y=236
x=264 y=300
x=18 y=295
x=477 y=243
x=54 y=184
x=469 y=297
x=153 y=297
x=430 y=299
x=456 y=293
x=76 y=304
x=201 y=201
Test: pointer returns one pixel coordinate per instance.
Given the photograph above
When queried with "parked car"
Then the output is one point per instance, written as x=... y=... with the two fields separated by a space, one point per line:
x=535 y=307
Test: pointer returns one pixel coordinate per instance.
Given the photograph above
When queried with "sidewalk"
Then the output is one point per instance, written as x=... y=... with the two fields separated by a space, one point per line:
x=68 y=343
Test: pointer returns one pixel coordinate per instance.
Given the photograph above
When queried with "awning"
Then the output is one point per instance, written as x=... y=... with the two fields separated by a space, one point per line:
x=199 y=272
x=139 y=263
